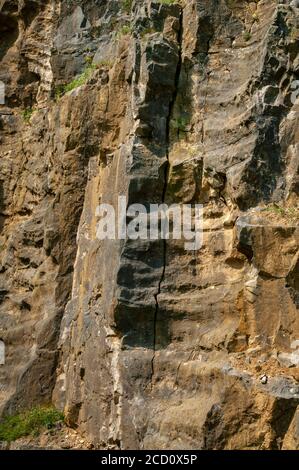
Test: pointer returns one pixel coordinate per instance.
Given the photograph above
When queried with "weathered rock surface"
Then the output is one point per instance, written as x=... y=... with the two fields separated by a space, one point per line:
x=142 y=343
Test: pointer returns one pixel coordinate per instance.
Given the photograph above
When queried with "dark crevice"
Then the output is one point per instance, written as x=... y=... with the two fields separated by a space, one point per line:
x=166 y=173
x=282 y=416
x=207 y=33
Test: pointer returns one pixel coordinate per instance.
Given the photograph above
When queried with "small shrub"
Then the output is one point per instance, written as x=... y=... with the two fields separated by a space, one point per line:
x=180 y=124
x=59 y=91
x=29 y=423
x=104 y=63
x=247 y=36
x=276 y=210
x=127 y=5
x=124 y=30
x=27 y=113
x=88 y=59
x=81 y=79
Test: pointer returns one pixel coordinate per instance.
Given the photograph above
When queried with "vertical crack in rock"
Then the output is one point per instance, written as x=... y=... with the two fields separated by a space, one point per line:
x=204 y=106
x=166 y=172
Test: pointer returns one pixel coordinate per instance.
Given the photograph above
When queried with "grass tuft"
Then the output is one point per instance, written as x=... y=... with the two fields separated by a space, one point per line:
x=27 y=113
x=81 y=79
x=78 y=81
x=124 y=30
x=127 y=5
x=287 y=212
x=167 y=2
x=247 y=36
x=29 y=423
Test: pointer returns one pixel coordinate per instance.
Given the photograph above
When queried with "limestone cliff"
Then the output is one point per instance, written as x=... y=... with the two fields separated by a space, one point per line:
x=142 y=343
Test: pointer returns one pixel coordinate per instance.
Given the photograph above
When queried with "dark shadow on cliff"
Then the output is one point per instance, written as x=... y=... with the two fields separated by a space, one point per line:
x=9 y=32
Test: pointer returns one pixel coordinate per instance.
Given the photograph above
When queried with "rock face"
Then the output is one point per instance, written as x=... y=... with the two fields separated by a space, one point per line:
x=143 y=343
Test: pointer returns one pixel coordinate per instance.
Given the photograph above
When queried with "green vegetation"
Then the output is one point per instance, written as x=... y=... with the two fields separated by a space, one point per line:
x=167 y=2
x=81 y=79
x=88 y=59
x=78 y=81
x=29 y=423
x=180 y=124
x=127 y=5
x=147 y=31
x=59 y=92
x=287 y=212
x=104 y=63
x=124 y=30
x=27 y=113
x=247 y=36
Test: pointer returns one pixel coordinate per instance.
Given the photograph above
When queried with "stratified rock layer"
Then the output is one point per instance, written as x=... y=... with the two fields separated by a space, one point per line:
x=142 y=343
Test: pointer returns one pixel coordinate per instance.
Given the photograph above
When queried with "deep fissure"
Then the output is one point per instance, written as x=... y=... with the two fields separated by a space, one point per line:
x=166 y=173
